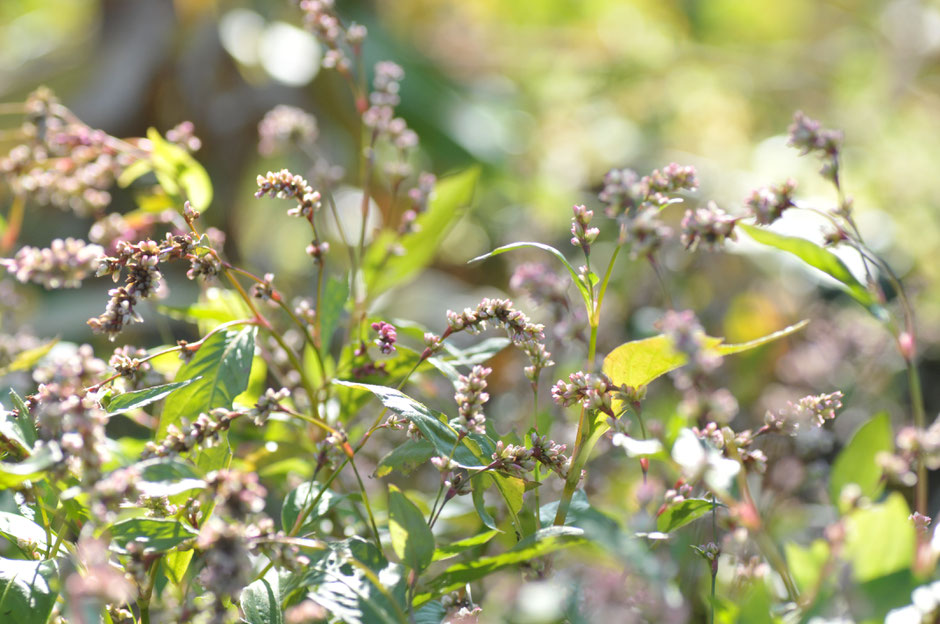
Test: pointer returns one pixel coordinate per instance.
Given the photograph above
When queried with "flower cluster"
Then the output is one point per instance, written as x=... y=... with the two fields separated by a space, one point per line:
x=76 y=423
x=815 y=410
x=708 y=227
x=514 y=459
x=767 y=204
x=591 y=390
x=267 y=403
x=63 y=162
x=550 y=454
x=471 y=395
x=64 y=264
x=420 y=196
x=582 y=234
x=183 y=134
x=285 y=125
x=499 y=312
x=807 y=135
x=320 y=17
x=387 y=336
x=286 y=185
x=143 y=278
x=203 y=432
x=380 y=116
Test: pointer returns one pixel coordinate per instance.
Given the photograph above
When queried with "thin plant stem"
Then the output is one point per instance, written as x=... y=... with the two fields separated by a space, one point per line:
x=365 y=501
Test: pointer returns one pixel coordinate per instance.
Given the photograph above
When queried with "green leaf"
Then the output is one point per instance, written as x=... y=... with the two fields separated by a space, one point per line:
x=880 y=539
x=817 y=257
x=179 y=173
x=141 y=398
x=219 y=372
x=261 y=601
x=176 y=562
x=638 y=362
x=478 y=485
x=681 y=514
x=24 y=420
x=806 y=563
x=167 y=477
x=432 y=612
x=405 y=457
x=541 y=543
x=154 y=534
x=26 y=360
x=433 y=425
x=133 y=171
x=451 y=198
x=461 y=546
x=412 y=540
x=333 y=300
x=353 y=582
x=215 y=306
x=32 y=469
x=17 y=528
x=26 y=590
x=299 y=498
x=857 y=462
x=585 y=293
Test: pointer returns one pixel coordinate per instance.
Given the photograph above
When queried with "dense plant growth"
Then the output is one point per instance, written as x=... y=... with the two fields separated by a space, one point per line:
x=308 y=459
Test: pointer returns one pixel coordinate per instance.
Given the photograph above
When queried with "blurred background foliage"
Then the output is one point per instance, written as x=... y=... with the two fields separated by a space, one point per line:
x=547 y=95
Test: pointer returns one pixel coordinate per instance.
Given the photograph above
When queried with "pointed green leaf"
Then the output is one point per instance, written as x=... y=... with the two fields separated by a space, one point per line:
x=880 y=539
x=405 y=457
x=141 y=398
x=412 y=540
x=17 y=528
x=26 y=360
x=815 y=256
x=32 y=469
x=857 y=463
x=330 y=308
x=541 y=543
x=681 y=514
x=261 y=601
x=167 y=476
x=154 y=534
x=585 y=294
x=638 y=362
x=26 y=590
x=300 y=498
x=219 y=372
x=450 y=200
x=461 y=546
x=179 y=173
x=23 y=420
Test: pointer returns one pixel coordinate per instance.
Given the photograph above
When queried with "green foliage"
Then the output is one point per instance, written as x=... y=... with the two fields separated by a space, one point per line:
x=261 y=601
x=27 y=590
x=217 y=373
x=680 y=514
x=31 y=469
x=452 y=197
x=818 y=258
x=412 y=540
x=137 y=399
x=871 y=555
x=638 y=362
x=857 y=463
x=153 y=534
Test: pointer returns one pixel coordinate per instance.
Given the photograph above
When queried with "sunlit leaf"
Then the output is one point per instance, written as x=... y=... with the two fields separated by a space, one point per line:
x=405 y=457
x=300 y=498
x=857 y=462
x=179 y=173
x=541 y=543
x=17 y=528
x=817 y=257
x=26 y=360
x=638 y=362
x=585 y=293
x=261 y=601
x=680 y=514
x=32 y=469
x=880 y=539
x=218 y=372
x=330 y=307
x=26 y=590
x=153 y=534
x=412 y=540
x=141 y=398
x=167 y=476
x=450 y=200
x=461 y=546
